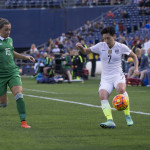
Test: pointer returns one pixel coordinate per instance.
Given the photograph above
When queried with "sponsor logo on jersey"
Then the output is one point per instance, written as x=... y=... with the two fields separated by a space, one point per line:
x=117 y=51
x=11 y=44
x=1 y=44
x=109 y=51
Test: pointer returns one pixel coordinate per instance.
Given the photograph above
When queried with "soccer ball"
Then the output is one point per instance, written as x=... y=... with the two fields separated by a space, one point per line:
x=130 y=59
x=120 y=102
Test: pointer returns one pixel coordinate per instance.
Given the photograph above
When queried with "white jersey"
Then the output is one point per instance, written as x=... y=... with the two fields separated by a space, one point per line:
x=111 y=59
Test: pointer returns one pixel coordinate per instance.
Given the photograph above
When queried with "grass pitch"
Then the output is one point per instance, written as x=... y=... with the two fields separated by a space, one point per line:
x=61 y=119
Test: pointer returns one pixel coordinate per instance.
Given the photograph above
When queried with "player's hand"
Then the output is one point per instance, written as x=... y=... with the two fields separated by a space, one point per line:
x=79 y=45
x=31 y=58
x=136 y=72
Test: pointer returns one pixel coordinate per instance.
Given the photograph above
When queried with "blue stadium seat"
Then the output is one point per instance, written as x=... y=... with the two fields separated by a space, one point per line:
x=45 y=3
x=8 y=4
x=21 y=3
x=33 y=3
x=57 y=3
x=78 y=2
x=39 y=4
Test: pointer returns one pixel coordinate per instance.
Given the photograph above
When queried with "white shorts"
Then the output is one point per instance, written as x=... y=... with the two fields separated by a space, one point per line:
x=110 y=83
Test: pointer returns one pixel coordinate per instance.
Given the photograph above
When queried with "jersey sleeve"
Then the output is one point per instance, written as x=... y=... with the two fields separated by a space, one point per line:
x=96 y=48
x=12 y=44
x=125 y=49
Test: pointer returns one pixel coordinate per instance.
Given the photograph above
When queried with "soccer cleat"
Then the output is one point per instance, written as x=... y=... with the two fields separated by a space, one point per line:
x=129 y=120
x=108 y=124
x=24 y=124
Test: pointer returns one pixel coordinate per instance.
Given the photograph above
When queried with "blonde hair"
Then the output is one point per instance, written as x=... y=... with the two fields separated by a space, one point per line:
x=137 y=51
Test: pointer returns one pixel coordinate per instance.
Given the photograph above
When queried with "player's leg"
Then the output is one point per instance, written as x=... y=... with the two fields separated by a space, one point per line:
x=121 y=88
x=143 y=74
x=69 y=76
x=131 y=72
x=3 y=93
x=15 y=85
x=17 y=92
x=3 y=101
x=104 y=91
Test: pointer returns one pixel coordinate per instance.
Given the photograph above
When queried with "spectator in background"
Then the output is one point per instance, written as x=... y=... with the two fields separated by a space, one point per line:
x=116 y=26
x=121 y=27
x=101 y=25
x=147 y=25
x=136 y=43
x=77 y=64
x=148 y=69
x=56 y=49
x=42 y=51
x=69 y=34
x=131 y=69
x=139 y=2
x=50 y=42
x=88 y=25
x=123 y=40
x=62 y=37
x=93 y=58
x=66 y=65
x=68 y=43
x=124 y=14
x=143 y=65
x=83 y=2
x=84 y=57
x=109 y=15
x=33 y=51
x=48 y=50
x=90 y=37
x=47 y=63
x=142 y=11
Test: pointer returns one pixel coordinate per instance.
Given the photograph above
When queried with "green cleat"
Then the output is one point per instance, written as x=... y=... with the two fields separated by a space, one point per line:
x=129 y=120
x=108 y=124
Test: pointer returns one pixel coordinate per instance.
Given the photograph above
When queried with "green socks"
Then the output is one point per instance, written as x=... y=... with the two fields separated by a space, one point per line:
x=21 y=108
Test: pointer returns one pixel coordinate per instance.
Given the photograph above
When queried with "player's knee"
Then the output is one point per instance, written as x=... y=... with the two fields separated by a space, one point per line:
x=103 y=95
x=3 y=104
x=121 y=90
x=18 y=96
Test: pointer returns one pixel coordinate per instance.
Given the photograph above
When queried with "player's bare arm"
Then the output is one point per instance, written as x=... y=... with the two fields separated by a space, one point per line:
x=135 y=62
x=20 y=56
x=82 y=49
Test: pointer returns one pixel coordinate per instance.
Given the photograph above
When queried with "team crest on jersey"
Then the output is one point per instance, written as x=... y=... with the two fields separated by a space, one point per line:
x=1 y=44
x=109 y=51
x=117 y=51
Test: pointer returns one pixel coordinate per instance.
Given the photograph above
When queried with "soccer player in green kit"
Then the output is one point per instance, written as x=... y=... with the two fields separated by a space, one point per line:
x=9 y=72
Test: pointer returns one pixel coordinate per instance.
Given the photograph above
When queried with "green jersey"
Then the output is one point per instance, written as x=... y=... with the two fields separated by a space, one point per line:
x=7 y=64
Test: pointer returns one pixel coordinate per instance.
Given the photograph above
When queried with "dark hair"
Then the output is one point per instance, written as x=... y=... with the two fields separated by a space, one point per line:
x=109 y=30
x=3 y=21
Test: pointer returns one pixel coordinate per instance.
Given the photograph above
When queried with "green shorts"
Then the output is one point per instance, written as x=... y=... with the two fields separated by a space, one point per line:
x=11 y=81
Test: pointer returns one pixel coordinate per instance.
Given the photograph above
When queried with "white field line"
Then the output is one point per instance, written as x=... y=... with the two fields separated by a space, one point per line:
x=39 y=91
x=84 y=104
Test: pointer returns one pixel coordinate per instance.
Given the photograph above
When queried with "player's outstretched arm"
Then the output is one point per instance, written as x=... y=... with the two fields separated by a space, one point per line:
x=20 y=56
x=82 y=49
x=136 y=70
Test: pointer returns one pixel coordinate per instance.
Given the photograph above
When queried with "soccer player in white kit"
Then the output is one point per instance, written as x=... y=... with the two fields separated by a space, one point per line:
x=112 y=76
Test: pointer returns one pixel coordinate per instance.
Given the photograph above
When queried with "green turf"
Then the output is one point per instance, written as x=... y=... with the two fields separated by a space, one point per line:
x=65 y=126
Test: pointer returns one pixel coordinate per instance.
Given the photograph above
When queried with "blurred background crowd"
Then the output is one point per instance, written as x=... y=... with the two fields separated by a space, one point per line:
x=59 y=56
